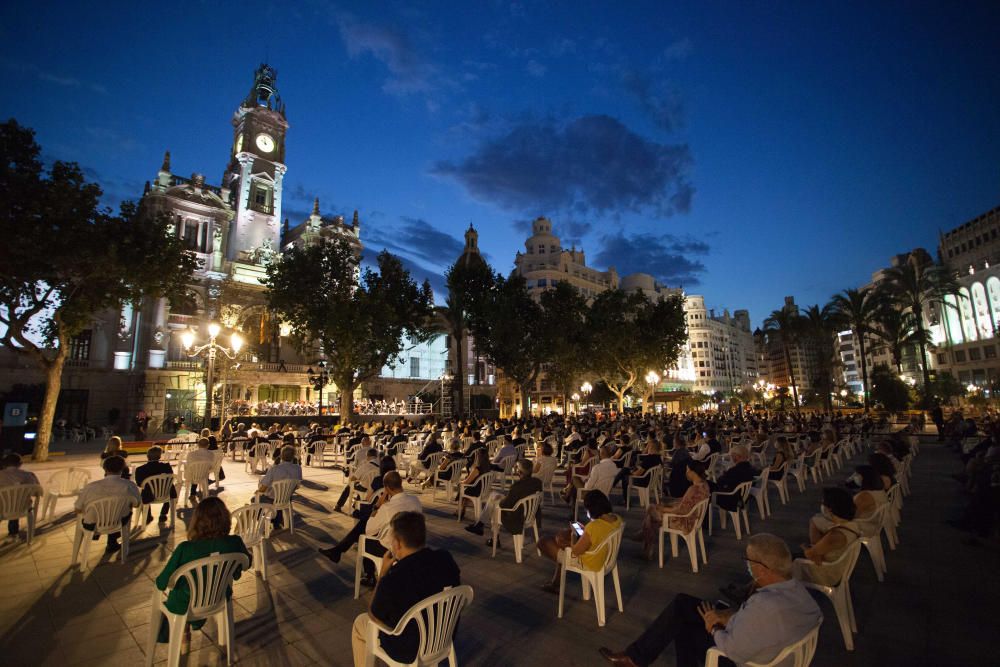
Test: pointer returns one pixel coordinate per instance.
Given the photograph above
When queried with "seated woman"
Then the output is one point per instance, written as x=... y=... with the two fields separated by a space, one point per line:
x=473 y=488
x=830 y=533
x=782 y=455
x=885 y=469
x=866 y=501
x=114 y=447
x=673 y=512
x=545 y=463
x=208 y=533
x=603 y=522
x=650 y=458
x=588 y=457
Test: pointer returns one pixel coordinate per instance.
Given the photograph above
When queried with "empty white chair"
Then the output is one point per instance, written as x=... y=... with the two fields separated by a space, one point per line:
x=742 y=493
x=814 y=464
x=436 y=618
x=108 y=514
x=799 y=471
x=873 y=541
x=892 y=518
x=485 y=484
x=758 y=490
x=548 y=475
x=281 y=495
x=220 y=456
x=253 y=524
x=208 y=581
x=655 y=478
x=692 y=538
x=840 y=594
x=529 y=506
x=22 y=500
x=64 y=484
x=593 y=579
x=317 y=458
x=160 y=486
x=801 y=654
x=781 y=483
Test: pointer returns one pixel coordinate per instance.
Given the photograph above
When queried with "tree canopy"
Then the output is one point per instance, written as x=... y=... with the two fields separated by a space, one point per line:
x=356 y=319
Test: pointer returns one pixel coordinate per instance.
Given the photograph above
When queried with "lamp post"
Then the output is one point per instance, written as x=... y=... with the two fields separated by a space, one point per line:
x=585 y=389
x=210 y=349
x=576 y=401
x=652 y=379
x=319 y=380
x=445 y=380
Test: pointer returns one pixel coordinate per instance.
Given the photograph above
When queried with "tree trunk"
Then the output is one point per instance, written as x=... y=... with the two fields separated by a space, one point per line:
x=347 y=388
x=791 y=379
x=918 y=315
x=864 y=367
x=525 y=400
x=459 y=379
x=53 y=382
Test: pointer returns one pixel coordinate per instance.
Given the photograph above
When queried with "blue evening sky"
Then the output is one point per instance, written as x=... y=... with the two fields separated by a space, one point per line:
x=742 y=150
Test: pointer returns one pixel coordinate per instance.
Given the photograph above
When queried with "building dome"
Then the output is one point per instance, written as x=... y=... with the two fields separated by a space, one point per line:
x=542 y=239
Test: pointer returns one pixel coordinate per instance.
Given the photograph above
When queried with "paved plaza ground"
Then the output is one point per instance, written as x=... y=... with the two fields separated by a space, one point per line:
x=934 y=608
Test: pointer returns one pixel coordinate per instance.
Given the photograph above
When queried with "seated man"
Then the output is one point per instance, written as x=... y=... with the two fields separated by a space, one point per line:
x=432 y=445
x=112 y=486
x=601 y=475
x=392 y=502
x=410 y=573
x=780 y=612
x=12 y=475
x=286 y=468
x=366 y=469
x=154 y=466
x=524 y=486
x=506 y=450
x=201 y=455
x=741 y=471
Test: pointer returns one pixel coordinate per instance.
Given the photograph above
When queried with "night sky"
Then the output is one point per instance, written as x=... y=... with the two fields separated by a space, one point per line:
x=744 y=151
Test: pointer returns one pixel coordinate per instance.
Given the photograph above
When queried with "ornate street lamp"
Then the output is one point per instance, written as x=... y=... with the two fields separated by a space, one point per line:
x=319 y=380
x=585 y=389
x=209 y=350
x=576 y=401
x=652 y=379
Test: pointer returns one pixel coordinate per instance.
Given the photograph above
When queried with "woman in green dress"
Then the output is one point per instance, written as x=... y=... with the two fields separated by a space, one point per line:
x=208 y=534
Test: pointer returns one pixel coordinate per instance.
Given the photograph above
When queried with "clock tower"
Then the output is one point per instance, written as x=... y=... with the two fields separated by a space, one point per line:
x=257 y=168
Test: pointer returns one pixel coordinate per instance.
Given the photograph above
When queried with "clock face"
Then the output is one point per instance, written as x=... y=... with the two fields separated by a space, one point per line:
x=265 y=142
x=239 y=144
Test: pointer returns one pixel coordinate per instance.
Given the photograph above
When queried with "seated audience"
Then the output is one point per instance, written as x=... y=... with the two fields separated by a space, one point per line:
x=827 y=546
x=603 y=522
x=12 y=475
x=472 y=484
x=741 y=471
x=780 y=612
x=601 y=475
x=673 y=512
x=287 y=468
x=524 y=486
x=112 y=486
x=366 y=470
x=154 y=466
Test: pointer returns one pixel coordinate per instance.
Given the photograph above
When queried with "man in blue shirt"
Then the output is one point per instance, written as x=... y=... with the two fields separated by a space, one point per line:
x=781 y=612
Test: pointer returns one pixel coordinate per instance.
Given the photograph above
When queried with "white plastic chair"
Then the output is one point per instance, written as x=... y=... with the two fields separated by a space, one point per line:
x=758 y=490
x=594 y=578
x=742 y=492
x=318 y=458
x=21 y=500
x=109 y=514
x=892 y=516
x=448 y=484
x=253 y=524
x=873 y=543
x=814 y=464
x=548 y=477
x=160 y=486
x=693 y=538
x=840 y=594
x=64 y=484
x=781 y=484
x=281 y=493
x=436 y=618
x=220 y=456
x=485 y=483
x=197 y=473
x=208 y=581
x=801 y=653
x=529 y=505
x=799 y=471
x=655 y=477
x=603 y=487
x=364 y=554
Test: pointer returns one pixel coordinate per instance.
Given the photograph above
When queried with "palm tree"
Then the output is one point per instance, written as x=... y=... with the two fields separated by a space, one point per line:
x=786 y=325
x=820 y=326
x=895 y=331
x=857 y=309
x=914 y=287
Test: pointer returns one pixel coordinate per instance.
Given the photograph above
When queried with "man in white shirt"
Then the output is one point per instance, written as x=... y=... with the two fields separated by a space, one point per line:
x=200 y=455
x=12 y=475
x=393 y=501
x=365 y=470
x=286 y=468
x=112 y=486
x=602 y=476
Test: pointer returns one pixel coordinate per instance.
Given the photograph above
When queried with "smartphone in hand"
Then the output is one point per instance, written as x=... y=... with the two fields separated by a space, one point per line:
x=578 y=528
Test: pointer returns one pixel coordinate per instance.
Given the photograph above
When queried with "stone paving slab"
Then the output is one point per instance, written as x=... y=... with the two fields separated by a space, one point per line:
x=51 y=614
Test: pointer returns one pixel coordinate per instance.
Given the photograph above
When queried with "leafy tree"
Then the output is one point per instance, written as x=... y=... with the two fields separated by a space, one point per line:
x=357 y=319
x=567 y=338
x=888 y=390
x=66 y=260
x=914 y=287
x=633 y=335
x=786 y=324
x=896 y=330
x=857 y=310
x=820 y=326
x=945 y=388
x=469 y=282
x=509 y=332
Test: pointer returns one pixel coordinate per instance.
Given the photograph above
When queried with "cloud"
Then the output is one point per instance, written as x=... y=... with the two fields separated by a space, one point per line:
x=422 y=240
x=589 y=164
x=536 y=69
x=56 y=79
x=572 y=231
x=678 y=50
x=409 y=72
x=663 y=107
x=664 y=256
x=112 y=139
x=562 y=46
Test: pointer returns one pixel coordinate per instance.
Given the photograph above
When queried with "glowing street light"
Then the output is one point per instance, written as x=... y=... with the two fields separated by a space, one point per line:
x=210 y=349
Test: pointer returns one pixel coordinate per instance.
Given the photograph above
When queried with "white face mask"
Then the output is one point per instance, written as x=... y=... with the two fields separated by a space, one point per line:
x=824 y=511
x=750 y=570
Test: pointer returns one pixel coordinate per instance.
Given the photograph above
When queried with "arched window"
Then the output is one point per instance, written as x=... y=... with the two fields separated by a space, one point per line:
x=982 y=310
x=953 y=319
x=993 y=298
x=968 y=318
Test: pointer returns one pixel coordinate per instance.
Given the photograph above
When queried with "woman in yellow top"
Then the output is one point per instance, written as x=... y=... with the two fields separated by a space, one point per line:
x=603 y=522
